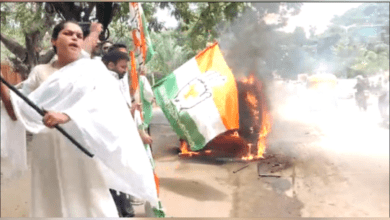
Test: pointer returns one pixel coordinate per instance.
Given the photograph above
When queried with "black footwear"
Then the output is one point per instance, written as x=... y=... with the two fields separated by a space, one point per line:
x=128 y=215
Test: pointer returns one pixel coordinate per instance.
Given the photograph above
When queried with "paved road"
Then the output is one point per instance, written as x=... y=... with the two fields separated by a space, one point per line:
x=333 y=163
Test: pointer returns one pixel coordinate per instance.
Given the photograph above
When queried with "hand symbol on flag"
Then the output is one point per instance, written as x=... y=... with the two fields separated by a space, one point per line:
x=198 y=90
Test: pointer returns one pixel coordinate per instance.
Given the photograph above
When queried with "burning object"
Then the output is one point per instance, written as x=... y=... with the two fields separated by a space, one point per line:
x=213 y=113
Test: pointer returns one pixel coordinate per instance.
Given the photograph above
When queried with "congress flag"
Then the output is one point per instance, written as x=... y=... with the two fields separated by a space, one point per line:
x=200 y=98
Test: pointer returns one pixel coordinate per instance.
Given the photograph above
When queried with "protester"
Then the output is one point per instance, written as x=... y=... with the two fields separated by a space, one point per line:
x=106 y=46
x=65 y=182
x=136 y=113
x=383 y=99
x=118 y=46
x=36 y=77
x=116 y=61
x=361 y=86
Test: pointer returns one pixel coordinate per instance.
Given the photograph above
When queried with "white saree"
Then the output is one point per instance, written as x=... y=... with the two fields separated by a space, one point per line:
x=101 y=123
x=13 y=147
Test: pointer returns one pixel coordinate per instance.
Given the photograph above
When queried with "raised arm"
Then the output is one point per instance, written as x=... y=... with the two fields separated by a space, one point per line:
x=92 y=39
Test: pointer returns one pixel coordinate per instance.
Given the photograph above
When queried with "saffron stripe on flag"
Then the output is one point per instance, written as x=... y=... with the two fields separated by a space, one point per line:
x=200 y=98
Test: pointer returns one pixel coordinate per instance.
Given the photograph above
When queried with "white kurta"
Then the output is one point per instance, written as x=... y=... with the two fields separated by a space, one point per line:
x=13 y=146
x=13 y=133
x=69 y=184
x=63 y=184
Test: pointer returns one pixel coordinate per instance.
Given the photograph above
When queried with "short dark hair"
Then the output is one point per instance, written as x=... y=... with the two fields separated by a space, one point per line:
x=114 y=56
x=117 y=46
x=58 y=28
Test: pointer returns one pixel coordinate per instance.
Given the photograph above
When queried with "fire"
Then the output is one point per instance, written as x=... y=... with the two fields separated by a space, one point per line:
x=252 y=100
x=184 y=149
x=249 y=80
x=252 y=145
x=265 y=127
x=235 y=134
x=250 y=156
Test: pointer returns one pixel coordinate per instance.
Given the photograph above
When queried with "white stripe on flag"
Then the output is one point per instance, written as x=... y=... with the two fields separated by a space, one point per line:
x=205 y=114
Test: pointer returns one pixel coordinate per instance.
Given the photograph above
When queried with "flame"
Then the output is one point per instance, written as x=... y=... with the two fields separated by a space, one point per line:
x=249 y=80
x=266 y=123
x=264 y=131
x=250 y=156
x=235 y=134
x=184 y=149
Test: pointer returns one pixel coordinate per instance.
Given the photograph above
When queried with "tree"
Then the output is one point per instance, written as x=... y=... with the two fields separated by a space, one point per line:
x=206 y=21
x=169 y=55
x=364 y=43
x=35 y=19
x=200 y=23
x=27 y=17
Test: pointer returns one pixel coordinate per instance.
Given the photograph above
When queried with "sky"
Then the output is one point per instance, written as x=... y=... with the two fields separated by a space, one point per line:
x=312 y=14
x=318 y=15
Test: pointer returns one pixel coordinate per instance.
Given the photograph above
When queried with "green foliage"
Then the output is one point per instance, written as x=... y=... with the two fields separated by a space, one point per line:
x=200 y=23
x=30 y=16
x=120 y=32
x=203 y=23
x=19 y=20
x=168 y=54
x=359 y=51
x=10 y=27
x=368 y=62
x=360 y=59
x=368 y=13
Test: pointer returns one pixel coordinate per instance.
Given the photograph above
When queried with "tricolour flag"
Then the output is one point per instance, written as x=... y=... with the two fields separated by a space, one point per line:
x=200 y=98
x=141 y=39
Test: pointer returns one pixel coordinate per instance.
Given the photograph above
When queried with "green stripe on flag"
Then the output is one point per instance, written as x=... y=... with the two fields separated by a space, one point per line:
x=182 y=123
x=149 y=50
x=146 y=106
x=195 y=136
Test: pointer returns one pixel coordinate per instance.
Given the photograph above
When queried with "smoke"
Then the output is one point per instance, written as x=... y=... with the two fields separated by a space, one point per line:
x=252 y=45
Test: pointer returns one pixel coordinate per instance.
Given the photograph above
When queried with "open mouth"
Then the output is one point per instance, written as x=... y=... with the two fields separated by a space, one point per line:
x=73 y=45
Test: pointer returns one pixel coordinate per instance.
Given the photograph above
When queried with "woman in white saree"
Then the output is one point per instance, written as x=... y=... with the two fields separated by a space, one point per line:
x=65 y=182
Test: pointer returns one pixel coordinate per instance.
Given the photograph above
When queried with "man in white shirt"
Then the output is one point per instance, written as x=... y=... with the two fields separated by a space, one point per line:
x=116 y=61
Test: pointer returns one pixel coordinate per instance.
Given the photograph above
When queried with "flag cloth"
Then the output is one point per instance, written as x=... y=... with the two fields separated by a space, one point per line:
x=141 y=39
x=146 y=95
x=200 y=98
x=134 y=75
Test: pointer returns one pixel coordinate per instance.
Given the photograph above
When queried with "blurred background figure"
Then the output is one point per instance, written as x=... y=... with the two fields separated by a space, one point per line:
x=106 y=45
x=383 y=99
x=361 y=94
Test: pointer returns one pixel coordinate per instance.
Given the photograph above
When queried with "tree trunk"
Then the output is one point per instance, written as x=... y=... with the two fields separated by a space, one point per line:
x=32 y=49
x=20 y=67
x=14 y=47
x=45 y=58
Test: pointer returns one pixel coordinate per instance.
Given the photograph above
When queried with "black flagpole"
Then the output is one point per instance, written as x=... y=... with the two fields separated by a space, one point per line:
x=41 y=112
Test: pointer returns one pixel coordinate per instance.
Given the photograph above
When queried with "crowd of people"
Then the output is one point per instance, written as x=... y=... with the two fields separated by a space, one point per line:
x=86 y=90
